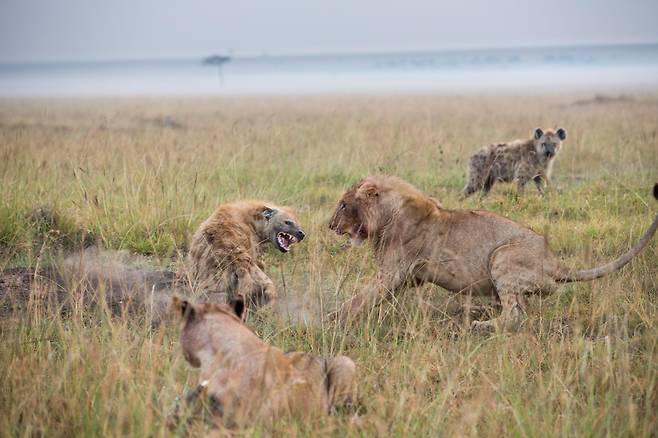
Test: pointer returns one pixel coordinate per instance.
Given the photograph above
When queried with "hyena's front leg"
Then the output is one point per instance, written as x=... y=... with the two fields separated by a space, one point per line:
x=266 y=291
x=521 y=178
x=539 y=183
x=255 y=287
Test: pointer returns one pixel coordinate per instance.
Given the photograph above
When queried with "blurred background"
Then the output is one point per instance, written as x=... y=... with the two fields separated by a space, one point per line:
x=203 y=47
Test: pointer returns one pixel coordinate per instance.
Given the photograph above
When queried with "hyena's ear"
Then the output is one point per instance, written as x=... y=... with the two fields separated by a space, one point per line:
x=538 y=133
x=182 y=308
x=237 y=304
x=562 y=133
x=268 y=213
x=368 y=190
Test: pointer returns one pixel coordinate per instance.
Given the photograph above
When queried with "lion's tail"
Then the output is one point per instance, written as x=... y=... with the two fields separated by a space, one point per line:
x=600 y=271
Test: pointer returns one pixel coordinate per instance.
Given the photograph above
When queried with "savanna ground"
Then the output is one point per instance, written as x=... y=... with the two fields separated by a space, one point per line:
x=141 y=174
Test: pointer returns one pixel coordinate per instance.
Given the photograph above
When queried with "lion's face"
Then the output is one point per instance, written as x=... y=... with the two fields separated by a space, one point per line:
x=351 y=215
x=548 y=144
x=375 y=206
x=197 y=323
x=281 y=228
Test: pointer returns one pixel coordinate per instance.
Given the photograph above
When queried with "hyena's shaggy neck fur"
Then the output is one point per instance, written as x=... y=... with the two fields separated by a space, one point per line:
x=226 y=251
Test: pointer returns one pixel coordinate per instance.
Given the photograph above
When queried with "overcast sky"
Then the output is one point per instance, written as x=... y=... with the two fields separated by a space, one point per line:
x=63 y=30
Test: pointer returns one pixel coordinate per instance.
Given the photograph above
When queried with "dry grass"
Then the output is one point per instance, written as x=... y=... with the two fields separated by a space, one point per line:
x=119 y=173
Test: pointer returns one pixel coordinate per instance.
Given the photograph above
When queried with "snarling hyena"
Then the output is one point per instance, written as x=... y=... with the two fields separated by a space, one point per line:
x=519 y=161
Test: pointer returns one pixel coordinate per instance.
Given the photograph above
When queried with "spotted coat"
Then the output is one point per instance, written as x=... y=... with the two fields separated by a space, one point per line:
x=520 y=161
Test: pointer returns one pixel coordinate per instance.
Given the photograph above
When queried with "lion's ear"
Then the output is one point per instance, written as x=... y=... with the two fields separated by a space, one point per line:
x=237 y=304
x=183 y=308
x=268 y=213
x=368 y=190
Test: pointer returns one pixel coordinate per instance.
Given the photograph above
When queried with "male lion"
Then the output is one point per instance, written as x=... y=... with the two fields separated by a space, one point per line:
x=248 y=381
x=225 y=254
x=480 y=252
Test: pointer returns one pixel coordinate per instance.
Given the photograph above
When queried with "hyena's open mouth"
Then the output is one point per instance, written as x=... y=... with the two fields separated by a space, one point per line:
x=284 y=241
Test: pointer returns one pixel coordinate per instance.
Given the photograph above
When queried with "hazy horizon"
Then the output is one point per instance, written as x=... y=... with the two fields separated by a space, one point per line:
x=309 y=53
x=93 y=30
x=464 y=70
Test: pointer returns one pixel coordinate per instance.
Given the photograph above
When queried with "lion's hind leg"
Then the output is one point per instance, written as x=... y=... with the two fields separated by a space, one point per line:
x=517 y=269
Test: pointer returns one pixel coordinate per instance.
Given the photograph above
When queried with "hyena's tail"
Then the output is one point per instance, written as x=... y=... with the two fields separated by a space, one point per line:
x=472 y=184
x=600 y=271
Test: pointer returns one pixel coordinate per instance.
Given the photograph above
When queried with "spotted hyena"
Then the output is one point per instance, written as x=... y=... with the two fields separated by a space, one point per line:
x=519 y=161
